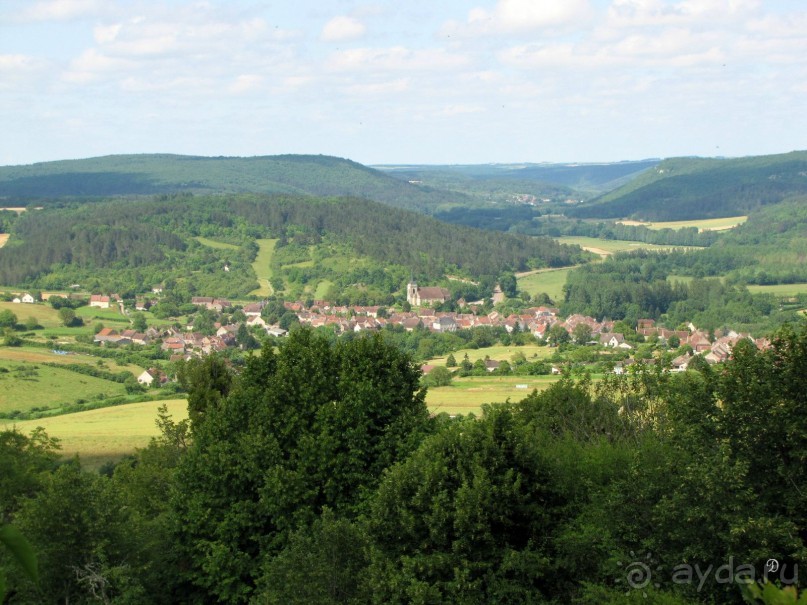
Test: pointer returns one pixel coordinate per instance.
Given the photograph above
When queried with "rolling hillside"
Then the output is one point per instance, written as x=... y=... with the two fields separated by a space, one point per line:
x=151 y=174
x=699 y=188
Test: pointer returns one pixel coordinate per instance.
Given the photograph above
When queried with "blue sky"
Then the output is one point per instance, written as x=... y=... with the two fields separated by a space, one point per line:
x=403 y=82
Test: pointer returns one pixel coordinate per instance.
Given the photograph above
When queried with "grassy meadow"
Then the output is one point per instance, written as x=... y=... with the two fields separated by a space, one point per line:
x=263 y=266
x=549 y=281
x=104 y=434
x=25 y=385
x=779 y=289
x=211 y=243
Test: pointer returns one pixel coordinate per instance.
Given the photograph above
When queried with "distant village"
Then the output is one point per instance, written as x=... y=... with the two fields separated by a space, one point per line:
x=538 y=321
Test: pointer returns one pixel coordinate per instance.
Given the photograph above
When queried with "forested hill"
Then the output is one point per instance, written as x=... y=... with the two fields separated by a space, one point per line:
x=145 y=241
x=697 y=188
x=149 y=174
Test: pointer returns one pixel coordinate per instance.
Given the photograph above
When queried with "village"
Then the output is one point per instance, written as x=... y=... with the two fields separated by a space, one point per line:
x=544 y=323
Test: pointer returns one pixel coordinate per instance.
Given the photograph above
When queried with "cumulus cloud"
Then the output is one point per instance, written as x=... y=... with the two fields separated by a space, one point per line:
x=398 y=58
x=342 y=28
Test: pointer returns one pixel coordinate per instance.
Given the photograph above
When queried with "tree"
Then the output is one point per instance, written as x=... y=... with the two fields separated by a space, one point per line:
x=438 y=377
x=139 y=322
x=32 y=324
x=451 y=362
x=68 y=317
x=557 y=335
x=581 y=333
x=314 y=425
x=7 y=319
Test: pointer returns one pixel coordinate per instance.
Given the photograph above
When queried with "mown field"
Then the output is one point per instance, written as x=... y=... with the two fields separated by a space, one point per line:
x=605 y=247
x=466 y=395
x=779 y=289
x=3 y=239
x=710 y=224
x=104 y=434
x=550 y=282
x=263 y=266
x=499 y=353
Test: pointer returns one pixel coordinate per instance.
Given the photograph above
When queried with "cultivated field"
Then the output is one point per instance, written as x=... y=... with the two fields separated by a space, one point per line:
x=3 y=239
x=709 y=224
x=104 y=434
x=263 y=266
x=499 y=353
x=550 y=281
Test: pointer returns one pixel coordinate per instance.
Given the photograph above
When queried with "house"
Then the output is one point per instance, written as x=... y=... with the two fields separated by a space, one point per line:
x=445 y=324
x=100 y=301
x=16 y=300
x=254 y=309
x=146 y=378
x=614 y=340
x=491 y=365
x=417 y=296
x=276 y=331
x=27 y=298
x=680 y=363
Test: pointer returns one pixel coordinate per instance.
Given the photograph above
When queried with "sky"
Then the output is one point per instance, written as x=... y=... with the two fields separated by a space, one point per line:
x=404 y=82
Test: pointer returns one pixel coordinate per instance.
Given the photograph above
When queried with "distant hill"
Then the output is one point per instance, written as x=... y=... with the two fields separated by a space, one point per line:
x=149 y=174
x=527 y=178
x=698 y=188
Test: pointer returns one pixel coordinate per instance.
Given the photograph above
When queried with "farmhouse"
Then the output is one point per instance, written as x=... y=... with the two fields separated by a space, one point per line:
x=100 y=301
x=430 y=295
x=27 y=298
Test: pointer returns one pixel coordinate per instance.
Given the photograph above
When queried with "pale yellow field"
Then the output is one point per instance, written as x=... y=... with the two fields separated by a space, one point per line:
x=711 y=224
x=499 y=353
x=467 y=395
x=779 y=289
x=3 y=239
x=104 y=434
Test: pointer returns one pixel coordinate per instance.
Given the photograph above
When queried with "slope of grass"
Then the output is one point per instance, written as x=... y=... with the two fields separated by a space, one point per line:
x=709 y=224
x=779 y=289
x=262 y=265
x=550 y=282
x=105 y=434
x=214 y=244
x=466 y=395
x=47 y=316
x=605 y=247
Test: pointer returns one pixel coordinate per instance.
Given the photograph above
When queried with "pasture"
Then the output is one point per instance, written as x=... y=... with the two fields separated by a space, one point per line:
x=262 y=265
x=25 y=385
x=105 y=434
x=40 y=355
x=499 y=353
x=45 y=315
x=709 y=224
x=549 y=281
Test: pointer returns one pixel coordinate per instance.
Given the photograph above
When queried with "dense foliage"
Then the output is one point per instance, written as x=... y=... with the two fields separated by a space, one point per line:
x=316 y=476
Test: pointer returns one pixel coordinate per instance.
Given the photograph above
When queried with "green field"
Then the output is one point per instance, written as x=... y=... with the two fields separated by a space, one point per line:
x=550 y=281
x=41 y=355
x=25 y=385
x=709 y=224
x=605 y=247
x=779 y=289
x=214 y=244
x=263 y=266
x=499 y=353
x=107 y=433
x=466 y=395
x=46 y=315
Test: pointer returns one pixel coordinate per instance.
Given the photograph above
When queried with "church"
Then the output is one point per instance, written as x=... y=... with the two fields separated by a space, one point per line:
x=417 y=296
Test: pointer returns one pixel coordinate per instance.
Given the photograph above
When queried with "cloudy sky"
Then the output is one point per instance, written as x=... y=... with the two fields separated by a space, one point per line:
x=410 y=81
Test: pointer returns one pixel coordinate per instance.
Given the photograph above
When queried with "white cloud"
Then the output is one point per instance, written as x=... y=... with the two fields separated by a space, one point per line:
x=63 y=10
x=522 y=16
x=395 y=59
x=246 y=83
x=342 y=28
